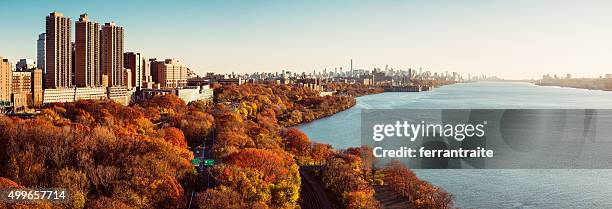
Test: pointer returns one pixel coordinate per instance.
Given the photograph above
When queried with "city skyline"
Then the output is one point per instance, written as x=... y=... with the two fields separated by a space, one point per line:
x=513 y=40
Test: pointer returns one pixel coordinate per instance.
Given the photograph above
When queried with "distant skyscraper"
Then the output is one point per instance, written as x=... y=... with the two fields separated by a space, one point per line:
x=409 y=73
x=111 y=52
x=25 y=64
x=87 y=56
x=152 y=66
x=58 y=51
x=6 y=78
x=146 y=70
x=138 y=66
x=40 y=51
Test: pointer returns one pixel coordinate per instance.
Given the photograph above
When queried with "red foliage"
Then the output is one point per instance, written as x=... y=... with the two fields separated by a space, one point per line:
x=297 y=142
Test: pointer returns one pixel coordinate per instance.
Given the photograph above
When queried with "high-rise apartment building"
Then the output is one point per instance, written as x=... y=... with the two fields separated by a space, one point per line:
x=40 y=51
x=58 y=51
x=111 y=52
x=87 y=53
x=139 y=66
x=6 y=78
x=73 y=50
x=169 y=73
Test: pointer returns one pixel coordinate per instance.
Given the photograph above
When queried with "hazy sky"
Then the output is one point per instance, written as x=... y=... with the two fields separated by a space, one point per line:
x=511 y=39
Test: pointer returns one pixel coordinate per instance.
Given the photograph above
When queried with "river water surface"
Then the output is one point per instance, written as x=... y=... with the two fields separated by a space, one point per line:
x=502 y=188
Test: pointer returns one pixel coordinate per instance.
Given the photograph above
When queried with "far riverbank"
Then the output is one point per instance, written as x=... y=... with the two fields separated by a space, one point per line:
x=604 y=84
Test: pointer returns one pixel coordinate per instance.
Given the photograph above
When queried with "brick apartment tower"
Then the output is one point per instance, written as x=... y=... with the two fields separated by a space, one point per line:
x=6 y=78
x=111 y=52
x=137 y=64
x=58 y=51
x=87 y=53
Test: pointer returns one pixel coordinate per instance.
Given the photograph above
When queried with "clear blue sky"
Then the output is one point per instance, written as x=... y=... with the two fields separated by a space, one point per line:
x=511 y=39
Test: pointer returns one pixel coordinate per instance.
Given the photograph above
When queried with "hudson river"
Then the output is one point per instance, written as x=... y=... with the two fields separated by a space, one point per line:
x=486 y=188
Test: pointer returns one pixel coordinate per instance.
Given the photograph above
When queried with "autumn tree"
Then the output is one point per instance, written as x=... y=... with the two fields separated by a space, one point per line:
x=106 y=154
x=174 y=136
x=320 y=152
x=220 y=198
x=341 y=176
x=196 y=126
x=266 y=176
x=421 y=194
x=296 y=142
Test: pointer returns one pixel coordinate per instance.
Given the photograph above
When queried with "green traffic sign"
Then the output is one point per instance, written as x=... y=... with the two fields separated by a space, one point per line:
x=209 y=162
x=196 y=161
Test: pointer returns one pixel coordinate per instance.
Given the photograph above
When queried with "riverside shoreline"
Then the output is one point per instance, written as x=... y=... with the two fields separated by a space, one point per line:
x=603 y=84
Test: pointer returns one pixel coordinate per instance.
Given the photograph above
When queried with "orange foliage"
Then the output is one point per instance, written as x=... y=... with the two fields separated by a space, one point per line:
x=7 y=183
x=291 y=104
x=341 y=176
x=175 y=137
x=219 y=199
x=195 y=124
x=106 y=154
x=420 y=193
x=271 y=165
x=168 y=103
x=320 y=152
